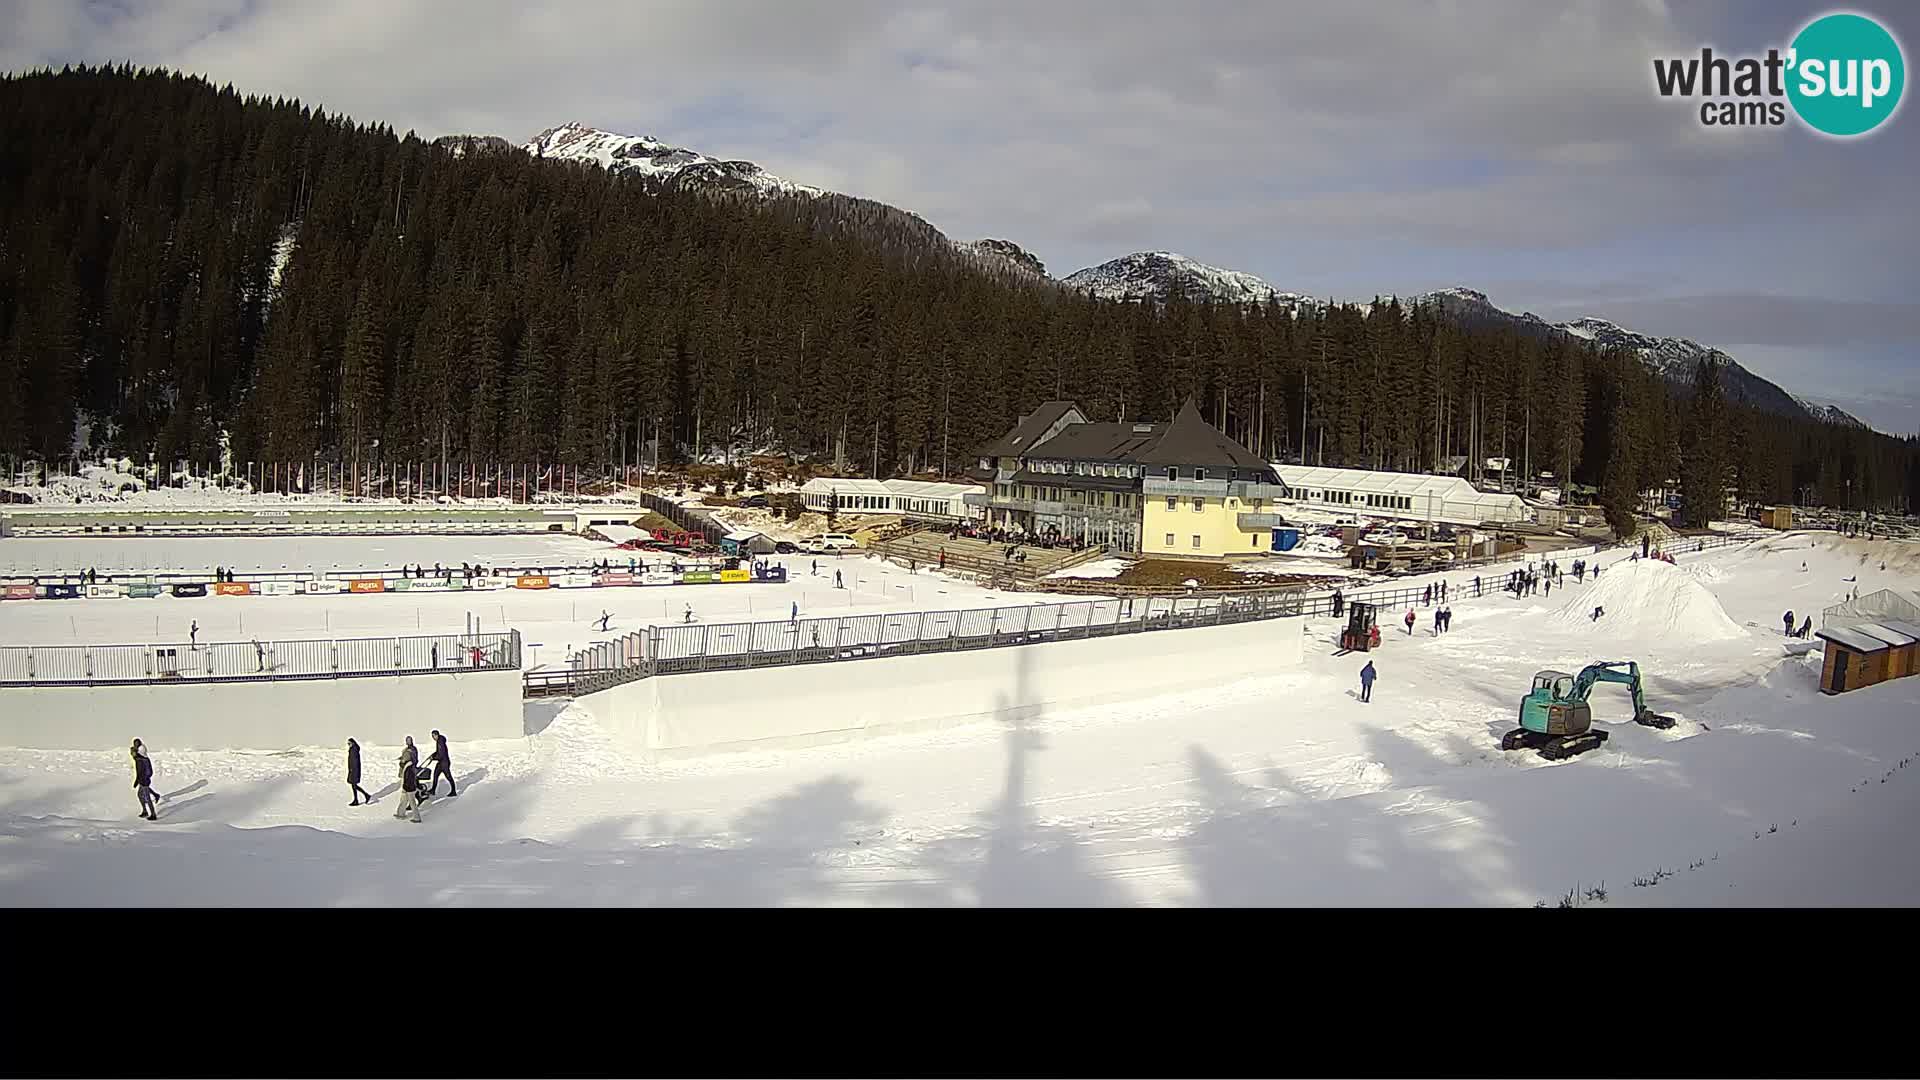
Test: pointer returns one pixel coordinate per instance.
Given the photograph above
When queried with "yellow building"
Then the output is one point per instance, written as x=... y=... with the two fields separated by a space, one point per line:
x=1178 y=488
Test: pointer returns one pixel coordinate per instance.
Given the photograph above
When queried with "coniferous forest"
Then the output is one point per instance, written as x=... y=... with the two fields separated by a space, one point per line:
x=433 y=304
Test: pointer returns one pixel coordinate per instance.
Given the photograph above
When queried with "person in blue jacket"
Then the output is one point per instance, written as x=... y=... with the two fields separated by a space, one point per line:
x=1367 y=676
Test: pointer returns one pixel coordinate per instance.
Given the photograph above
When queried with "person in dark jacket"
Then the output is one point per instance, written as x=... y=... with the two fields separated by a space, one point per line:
x=353 y=774
x=1366 y=682
x=409 y=796
x=1788 y=620
x=442 y=766
x=143 y=781
x=409 y=758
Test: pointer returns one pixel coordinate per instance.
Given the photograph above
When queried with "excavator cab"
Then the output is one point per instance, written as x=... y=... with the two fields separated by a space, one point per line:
x=1550 y=709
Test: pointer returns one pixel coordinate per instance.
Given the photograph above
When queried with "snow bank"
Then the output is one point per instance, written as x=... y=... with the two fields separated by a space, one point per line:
x=1099 y=568
x=1649 y=599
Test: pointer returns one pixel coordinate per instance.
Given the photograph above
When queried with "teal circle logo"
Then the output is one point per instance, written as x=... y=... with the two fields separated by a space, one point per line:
x=1845 y=74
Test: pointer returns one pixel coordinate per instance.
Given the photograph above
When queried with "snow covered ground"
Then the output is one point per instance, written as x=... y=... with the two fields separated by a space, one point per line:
x=1277 y=788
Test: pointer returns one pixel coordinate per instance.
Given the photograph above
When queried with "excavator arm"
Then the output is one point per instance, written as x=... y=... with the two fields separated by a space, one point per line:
x=1625 y=672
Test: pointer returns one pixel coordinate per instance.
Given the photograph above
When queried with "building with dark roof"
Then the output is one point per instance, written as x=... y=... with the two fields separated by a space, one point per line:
x=1179 y=487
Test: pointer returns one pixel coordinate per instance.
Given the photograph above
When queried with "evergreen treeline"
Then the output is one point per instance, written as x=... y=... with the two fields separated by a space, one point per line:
x=487 y=306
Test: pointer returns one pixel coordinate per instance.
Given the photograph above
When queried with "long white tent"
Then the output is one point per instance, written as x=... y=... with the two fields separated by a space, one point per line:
x=1405 y=496
x=918 y=497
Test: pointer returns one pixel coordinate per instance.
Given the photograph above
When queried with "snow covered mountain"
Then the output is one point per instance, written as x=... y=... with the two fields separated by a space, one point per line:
x=642 y=155
x=1154 y=275
x=1009 y=253
x=1672 y=358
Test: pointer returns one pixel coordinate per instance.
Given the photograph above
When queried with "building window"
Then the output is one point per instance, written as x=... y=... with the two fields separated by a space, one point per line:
x=1199 y=504
x=1173 y=502
x=1199 y=473
x=1173 y=472
x=1196 y=540
x=1169 y=539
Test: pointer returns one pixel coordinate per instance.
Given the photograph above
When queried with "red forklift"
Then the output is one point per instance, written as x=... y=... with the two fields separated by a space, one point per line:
x=1363 y=630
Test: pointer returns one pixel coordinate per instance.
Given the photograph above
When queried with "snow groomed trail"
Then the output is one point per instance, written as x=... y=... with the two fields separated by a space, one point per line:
x=1276 y=788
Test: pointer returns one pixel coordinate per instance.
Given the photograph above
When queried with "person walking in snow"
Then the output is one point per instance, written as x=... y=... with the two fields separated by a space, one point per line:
x=353 y=775
x=143 y=781
x=409 y=758
x=1339 y=603
x=687 y=616
x=409 y=796
x=1446 y=619
x=442 y=766
x=1436 y=622
x=1409 y=622
x=837 y=583
x=794 y=615
x=1367 y=676
x=193 y=635
x=1806 y=627
x=1788 y=619
x=1548 y=587
x=816 y=568
x=604 y=617
x=1597 y=612
x=259 y=655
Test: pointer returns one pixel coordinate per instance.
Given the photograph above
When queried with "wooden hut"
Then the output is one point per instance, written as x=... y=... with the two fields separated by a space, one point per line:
x=1864 y=654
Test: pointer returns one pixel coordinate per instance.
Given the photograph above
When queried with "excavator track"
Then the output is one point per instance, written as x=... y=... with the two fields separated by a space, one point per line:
x=1553 y=747
x=1654 y=720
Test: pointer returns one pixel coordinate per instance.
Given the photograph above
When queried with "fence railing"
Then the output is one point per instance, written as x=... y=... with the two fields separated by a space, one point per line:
x=678 y=649
x=256 y=661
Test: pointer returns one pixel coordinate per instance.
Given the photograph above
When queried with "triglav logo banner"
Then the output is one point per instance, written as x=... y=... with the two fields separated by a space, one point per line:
x=1843 y=75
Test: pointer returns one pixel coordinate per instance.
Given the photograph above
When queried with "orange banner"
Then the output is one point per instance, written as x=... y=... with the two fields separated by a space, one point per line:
x=531 y=581
x=366 y=585
x=233 y=588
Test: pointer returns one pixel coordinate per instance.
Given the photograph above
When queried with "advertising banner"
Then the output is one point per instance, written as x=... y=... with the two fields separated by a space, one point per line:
x=575 y=581
x=17 y=592
x=233 y=588
x=420 y=585
x=279 y=588
x=325 y=585
x=486 y=583
x=697 y=577
x=614 y=579
x=98 y=592
x=198 y=588
x=735 y=575
x=141 y=592
x=61 y=592
x=457 y=584
x=532 y=581
x=366 y=585
x=657 y=577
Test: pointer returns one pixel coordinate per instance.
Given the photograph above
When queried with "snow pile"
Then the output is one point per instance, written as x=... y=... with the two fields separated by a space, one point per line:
x=1099 y=568
x=1648 y=599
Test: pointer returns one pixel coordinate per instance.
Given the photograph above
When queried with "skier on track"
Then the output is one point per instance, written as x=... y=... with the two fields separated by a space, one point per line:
x=1597 y=612
x=1367 y=676
x=688 y=615
x=353 y=775
x=143 y=781
x=604 y=617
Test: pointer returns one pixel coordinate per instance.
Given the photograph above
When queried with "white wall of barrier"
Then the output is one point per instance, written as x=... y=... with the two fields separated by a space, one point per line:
x=780 y=707
x=267 y=715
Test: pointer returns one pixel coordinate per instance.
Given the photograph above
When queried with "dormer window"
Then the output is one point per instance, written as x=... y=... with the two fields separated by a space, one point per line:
x=1173 y=472
x=1199 y=474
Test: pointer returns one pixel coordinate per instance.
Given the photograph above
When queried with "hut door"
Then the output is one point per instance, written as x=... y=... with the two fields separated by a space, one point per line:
x=1840 y=670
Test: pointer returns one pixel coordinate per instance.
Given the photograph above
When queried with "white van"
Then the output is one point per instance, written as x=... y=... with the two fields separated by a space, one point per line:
x=829 y=544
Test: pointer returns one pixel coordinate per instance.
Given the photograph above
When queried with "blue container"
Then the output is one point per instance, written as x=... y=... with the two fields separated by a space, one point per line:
x=1286 y=539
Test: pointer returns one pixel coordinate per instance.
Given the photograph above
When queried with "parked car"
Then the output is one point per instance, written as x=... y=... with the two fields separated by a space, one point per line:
x=785 y=547
x=830 y=543
x=754 y=502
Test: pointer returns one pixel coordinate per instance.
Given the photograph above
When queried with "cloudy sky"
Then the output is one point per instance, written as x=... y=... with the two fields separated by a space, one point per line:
x=1339 y=148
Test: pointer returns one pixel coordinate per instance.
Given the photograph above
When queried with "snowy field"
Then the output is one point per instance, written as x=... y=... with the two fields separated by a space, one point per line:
x=1277 y=788
x=553 y=623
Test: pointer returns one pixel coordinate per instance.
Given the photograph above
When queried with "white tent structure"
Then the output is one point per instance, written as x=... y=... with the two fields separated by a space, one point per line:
x=921 y=498
x=1886 y=603
x=1404 y=496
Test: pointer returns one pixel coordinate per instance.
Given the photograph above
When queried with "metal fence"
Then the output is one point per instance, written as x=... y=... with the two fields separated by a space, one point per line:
x=256 y=661
x=667 y=650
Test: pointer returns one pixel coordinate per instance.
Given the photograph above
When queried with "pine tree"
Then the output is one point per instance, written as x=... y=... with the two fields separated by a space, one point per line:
x=1704 y=465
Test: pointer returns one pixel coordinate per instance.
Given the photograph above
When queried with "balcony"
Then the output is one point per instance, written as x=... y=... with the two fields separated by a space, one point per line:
x=1253 y=522
x=1213 y=489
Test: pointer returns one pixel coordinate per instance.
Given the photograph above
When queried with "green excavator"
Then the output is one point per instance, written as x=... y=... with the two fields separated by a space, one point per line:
x=1555 y=720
